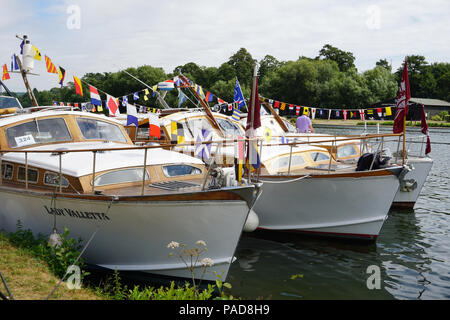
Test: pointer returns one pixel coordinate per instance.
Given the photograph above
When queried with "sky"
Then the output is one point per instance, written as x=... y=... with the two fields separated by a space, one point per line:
x=105 y=36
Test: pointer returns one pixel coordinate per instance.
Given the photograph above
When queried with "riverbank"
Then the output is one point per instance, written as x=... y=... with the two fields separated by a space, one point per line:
x=30 y=278
x=340 y=122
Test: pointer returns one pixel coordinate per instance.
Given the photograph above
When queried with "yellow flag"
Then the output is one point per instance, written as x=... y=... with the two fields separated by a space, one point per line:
x=99 y=108
x=37 y=53
x=267 y=134
x=283 y=106
x=388 y=111
x=305 y=110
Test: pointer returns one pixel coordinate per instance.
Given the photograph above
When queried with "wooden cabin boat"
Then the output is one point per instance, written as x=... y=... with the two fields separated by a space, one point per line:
x=81 y=171
x=296 y=181
x=348 y=149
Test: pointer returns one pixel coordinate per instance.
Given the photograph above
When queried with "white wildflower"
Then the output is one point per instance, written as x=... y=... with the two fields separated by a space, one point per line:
x=207 y=262
x=201 y=243
x=173 y=245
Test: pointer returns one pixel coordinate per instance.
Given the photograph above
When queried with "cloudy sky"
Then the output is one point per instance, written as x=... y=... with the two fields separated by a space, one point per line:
x=99 y=35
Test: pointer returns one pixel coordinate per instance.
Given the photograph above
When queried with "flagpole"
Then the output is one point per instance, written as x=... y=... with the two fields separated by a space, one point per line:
x=252 y=108
x=27 y=84
x=160 y=99
x=404 y=138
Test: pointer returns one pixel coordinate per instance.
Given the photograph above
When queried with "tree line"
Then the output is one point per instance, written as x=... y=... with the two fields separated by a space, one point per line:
x=329 y=80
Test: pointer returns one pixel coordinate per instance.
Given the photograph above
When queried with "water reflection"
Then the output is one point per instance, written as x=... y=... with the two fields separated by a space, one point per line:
x=412 y=251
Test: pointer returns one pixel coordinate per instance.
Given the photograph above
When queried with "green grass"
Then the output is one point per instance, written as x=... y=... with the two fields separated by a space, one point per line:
x=32 y=269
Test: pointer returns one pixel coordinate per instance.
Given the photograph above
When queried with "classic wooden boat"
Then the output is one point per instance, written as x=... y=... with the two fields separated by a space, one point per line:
x=348 y=149
x=306 y=191
x=296 y=178
x=81 y=171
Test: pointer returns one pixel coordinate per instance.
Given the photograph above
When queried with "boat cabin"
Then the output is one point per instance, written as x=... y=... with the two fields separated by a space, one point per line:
x=69 y=139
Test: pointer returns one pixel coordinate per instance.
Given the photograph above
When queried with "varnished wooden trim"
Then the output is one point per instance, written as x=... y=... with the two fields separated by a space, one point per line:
x=355 y=174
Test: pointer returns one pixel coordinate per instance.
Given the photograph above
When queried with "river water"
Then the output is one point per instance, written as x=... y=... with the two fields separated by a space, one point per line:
x=412 y=251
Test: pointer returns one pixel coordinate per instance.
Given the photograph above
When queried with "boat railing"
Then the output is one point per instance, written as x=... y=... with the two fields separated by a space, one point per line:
x=260 y=142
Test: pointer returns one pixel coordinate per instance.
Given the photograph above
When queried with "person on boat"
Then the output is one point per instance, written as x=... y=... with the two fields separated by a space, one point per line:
x=304 y=124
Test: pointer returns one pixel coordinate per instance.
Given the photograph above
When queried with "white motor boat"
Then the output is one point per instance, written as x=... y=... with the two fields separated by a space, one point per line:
x=306 y=191
x=349 y=148
x=81 y=171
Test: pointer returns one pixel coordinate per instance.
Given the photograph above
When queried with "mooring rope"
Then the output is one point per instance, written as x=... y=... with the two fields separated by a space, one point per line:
x=82 y=251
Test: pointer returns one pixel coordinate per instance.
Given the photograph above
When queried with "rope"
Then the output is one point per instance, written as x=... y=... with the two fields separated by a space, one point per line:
x=284 y=181
x=82 y=251
x=7 y=289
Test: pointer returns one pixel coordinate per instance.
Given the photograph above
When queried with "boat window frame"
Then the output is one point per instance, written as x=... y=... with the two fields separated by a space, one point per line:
x=356 y=153
x=319 y=152
x=55 y=185
x=181 y=175
x=12 y=171
x=293 y=164
x=121 y=182
x=25 y=178
x=34 y=119
x=125 y=140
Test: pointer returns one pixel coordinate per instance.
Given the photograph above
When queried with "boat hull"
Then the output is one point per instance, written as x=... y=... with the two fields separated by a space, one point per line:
x=347 y=206
x=133 y=235
x=407 y=199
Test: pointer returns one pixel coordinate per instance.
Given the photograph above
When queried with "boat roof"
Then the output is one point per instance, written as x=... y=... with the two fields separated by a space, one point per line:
x=4 y=121
x=107 y=160
x=271 y=152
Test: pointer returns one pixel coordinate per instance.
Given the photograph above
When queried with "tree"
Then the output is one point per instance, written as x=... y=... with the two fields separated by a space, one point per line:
x=243 y=65
x=266 y=65
x=345 y=60
x=384 y=64
x=381 y=84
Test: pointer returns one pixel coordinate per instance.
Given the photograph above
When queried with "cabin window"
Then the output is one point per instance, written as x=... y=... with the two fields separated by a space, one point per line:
x=121 y=176
x=7 y=171
x=38 y=131
x=290 y=127
x=52 y=179
x=283 y=162
x=93 y=129
x=177 y=170
x=346 y=151
x=33 y=175
x=319 y=156
x=229 y=127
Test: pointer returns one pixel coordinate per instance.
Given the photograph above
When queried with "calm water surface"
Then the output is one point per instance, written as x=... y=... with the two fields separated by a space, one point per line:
x=412 y=251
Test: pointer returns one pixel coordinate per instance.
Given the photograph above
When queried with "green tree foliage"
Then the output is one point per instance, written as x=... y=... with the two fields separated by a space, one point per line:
x=243 y=65
x=344 y=59
x=330 y=80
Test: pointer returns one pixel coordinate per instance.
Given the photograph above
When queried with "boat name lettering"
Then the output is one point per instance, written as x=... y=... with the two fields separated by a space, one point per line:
x=77 y=214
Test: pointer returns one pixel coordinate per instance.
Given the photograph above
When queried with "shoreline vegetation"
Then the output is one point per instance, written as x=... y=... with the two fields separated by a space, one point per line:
x=32 y=270
x=341 y=122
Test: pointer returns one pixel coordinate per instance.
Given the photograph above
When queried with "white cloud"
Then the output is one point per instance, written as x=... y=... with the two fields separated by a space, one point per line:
x=166 y=34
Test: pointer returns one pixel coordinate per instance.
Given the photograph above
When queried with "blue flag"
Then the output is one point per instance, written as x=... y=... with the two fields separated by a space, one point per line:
x=238 y=96
x=181 y=98
x=136 y=96
x=14 y=64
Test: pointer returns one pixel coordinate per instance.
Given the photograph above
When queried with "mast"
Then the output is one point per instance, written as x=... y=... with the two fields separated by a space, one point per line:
x=204 y=105
x=23 y=72
x=158 y=96
x=276 y=116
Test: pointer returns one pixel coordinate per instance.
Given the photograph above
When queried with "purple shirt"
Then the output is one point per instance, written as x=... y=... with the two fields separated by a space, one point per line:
x=303 y=124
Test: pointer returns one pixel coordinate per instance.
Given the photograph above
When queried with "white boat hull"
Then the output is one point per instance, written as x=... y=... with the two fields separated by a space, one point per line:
x=407 y=199
x=339 y=206
x=133 y=235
